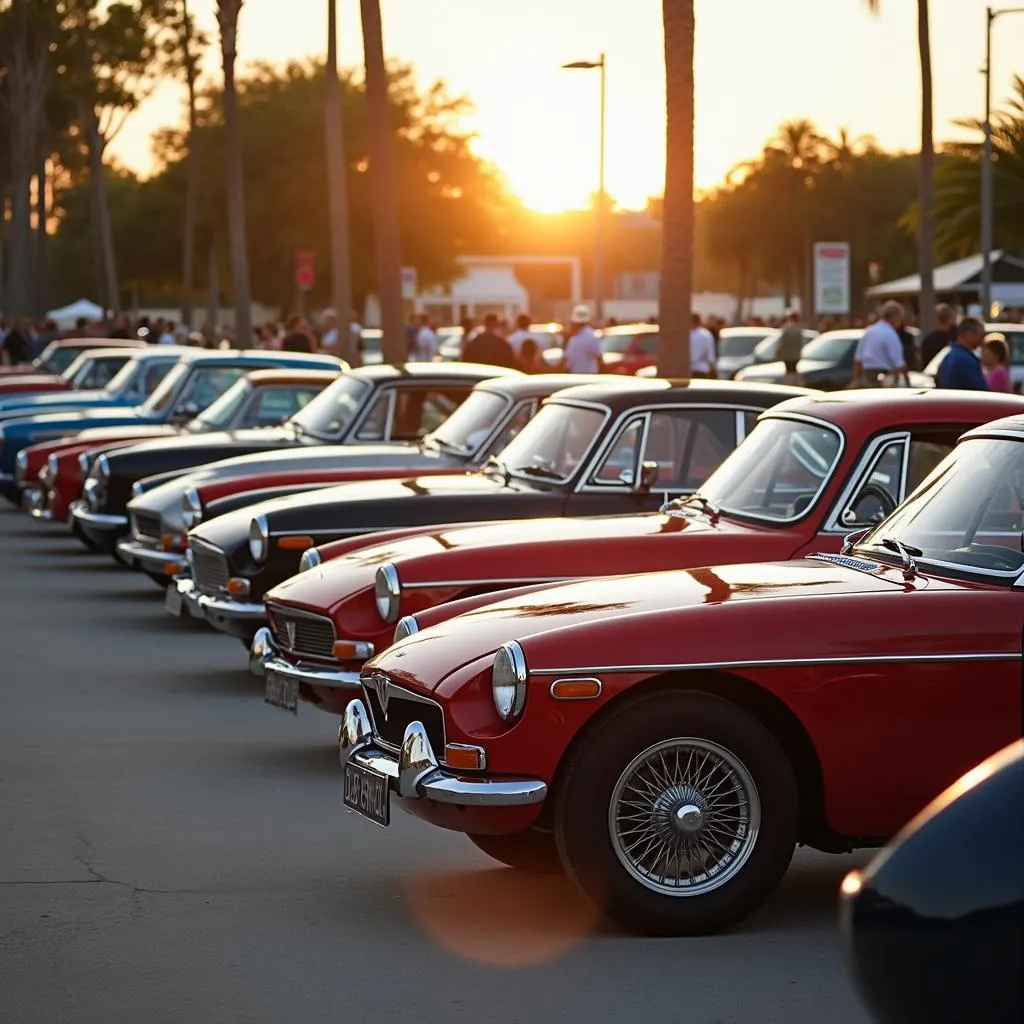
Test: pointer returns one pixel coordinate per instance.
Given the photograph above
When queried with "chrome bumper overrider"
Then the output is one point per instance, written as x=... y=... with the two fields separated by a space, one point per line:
x=416 y=774
x=33 y=502
x=264 y=655
x=134 y=552
x=186 y=587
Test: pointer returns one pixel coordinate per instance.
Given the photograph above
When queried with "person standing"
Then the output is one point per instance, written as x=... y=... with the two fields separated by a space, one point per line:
x=489 y=347
x=583 y=348
x=791 y=343
x=530 y=359
x=995 y=354
x=329 y=338
x=703 y=356
x=880 y=351
x=167 y=337
x=944 y=334
x=425 y=348
x=520 y=334
x=961 y=369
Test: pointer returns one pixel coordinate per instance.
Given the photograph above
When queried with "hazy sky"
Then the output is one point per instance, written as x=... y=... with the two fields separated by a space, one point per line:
x=759 y=62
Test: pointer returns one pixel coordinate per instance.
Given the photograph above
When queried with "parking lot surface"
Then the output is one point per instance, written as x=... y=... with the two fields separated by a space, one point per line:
x=173 y=849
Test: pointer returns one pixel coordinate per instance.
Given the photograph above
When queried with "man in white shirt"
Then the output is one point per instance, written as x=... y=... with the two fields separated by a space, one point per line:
x=880 y=351
x=583 y=349
x=520 y=334
x=329 y=339
x=703 y=355
x=426 y=345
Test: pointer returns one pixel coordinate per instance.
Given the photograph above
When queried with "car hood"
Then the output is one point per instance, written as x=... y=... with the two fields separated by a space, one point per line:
x=54 y=424
x=101 y=434
x=647 y=606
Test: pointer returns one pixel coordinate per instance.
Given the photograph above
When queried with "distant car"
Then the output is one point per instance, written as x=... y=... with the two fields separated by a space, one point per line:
x=736 y=347
x=934 y=926
x=93 y=369
x=765 y=351
x=59 y=355
x=627 y=348
x=826 y=363
x=372 y=341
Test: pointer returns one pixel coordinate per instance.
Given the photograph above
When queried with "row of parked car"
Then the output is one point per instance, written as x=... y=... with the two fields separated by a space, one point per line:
x=651 y=633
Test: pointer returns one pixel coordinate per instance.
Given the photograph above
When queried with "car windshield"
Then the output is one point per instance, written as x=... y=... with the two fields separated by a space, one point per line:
x=471 y=423
x=165 y=391
x=778 y=472
x=829 y=348
x=60 y=358
x=331 y=413
x=966 y=517
x=97 y=372
x=617 y=342
x=739 y=344
x=222 y=413
x=554 y=443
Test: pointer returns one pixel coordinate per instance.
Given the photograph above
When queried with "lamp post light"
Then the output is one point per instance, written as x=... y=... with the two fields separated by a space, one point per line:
x=599 y=214
x=986 y=164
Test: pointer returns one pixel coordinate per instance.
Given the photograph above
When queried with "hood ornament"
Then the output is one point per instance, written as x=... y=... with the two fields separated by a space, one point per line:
x=380 y=687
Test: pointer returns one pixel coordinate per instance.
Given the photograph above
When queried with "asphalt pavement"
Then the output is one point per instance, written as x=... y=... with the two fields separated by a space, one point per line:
x=173 y=849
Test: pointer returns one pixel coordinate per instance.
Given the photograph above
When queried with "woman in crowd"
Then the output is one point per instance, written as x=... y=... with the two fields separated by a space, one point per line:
x=995 y=354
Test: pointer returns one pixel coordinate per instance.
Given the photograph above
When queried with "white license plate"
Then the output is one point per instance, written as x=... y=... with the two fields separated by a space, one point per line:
x=366 y=792
x=282 y=692
x=173 y=601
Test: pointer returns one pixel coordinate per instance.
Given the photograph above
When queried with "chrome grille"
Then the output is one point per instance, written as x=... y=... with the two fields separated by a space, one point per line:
x=209 y=567
x=302 y=633
x=392 y=708
x=146 y=526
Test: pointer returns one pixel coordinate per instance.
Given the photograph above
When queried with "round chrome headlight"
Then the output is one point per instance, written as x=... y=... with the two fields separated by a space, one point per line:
x=407 y=625
x=21 y=466
x=259 y=539
x=387 y=592
x=310 y=559
x=191 y=508
x=508 y=680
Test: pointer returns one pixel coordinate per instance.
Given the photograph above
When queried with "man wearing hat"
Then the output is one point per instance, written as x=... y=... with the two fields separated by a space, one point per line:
x=583 y=349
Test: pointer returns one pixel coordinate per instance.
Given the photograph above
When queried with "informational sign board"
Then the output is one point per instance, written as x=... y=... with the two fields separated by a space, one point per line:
x=305 y=269
x=410 y=285
x=831 y=277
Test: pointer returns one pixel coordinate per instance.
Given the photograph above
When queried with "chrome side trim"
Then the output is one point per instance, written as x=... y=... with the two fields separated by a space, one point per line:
x=507 y=580
x=777 y=663
x=416 y=774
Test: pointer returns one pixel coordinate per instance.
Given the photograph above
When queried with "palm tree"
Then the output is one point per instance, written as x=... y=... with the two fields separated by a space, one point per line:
x=189 y=61
x=385 y=191
x=674 y=304
x=337 y=188
x=926 y=171
x=227 y=19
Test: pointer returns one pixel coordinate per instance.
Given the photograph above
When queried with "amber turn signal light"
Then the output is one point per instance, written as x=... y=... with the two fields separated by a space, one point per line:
x=238 y=587
x=576 y=689
x=173 y=568
x=173 y=542
x=465 y=757
x=295 y=543
x=346 y=650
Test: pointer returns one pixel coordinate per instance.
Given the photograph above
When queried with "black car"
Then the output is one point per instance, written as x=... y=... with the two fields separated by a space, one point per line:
x=597 y=449
x=365 y=406
x=934 y=926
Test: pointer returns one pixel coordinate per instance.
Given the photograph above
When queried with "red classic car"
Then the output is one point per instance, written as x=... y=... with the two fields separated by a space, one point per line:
x=668 y=738
x=813 y=469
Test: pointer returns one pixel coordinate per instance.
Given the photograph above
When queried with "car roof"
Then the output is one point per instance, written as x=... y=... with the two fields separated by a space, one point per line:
x=268 y=357
x=289 y=375
x=527 y=385
x=154 y=351
x=735 y=332
x=622 y=392
x=861 y=409
x=450 y=371
x=999 y=428
x=107 y=353
x=99 y=343
x=637 y=328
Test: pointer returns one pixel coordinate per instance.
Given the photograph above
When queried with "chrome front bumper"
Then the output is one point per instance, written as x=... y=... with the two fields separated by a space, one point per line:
x=234 y=617
x=416 y=774
x=264 y=654
x=150 y=559
x=186 y=588
x=97 y=520
x=33 y=501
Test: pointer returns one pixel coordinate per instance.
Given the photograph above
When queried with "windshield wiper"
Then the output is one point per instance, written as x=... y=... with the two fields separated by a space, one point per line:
x=495 y=465
x=430 y=441
x=542 y=472
x=906 y=553
x=714 y=513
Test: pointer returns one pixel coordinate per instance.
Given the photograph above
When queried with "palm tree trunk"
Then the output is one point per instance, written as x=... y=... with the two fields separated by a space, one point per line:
x=41 y=271
x=227 y=16
x=926 y=184
x=22 y=147
x=337 y=190
x=385 y=191
x=101 y=208
x=675 y=297
x=191 y=174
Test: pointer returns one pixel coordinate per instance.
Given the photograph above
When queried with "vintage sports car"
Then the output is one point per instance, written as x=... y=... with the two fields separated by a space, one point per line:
x=94 y=368
x=59 y=355
x=615 y=445
x=194 y=381
x=262 y=398
x=813 y=469
x=672 y=736
x=360 y=408
x=934 y=926
x=495 y=411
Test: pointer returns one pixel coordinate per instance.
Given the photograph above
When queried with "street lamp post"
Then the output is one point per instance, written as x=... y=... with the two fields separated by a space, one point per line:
x=986 y=165
x=599 y=213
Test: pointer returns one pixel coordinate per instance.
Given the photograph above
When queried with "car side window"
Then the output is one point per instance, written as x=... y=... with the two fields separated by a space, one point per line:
x=375 y=423
x=689 y=445
x=518 y=420
x=749 y=422
x=879 y=490
x=274 y=405
x=206 y=386
x=620 y=463
x=648 y=344
x=418 y=411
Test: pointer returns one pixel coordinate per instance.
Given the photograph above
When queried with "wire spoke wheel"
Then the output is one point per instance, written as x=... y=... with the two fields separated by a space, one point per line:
x=684 y=816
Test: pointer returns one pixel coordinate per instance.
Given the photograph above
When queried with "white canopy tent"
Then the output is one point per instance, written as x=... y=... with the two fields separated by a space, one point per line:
x=960 y=281
x=66 y=317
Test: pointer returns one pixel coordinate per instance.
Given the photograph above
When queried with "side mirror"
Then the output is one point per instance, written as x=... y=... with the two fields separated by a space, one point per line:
x=648 y=476
x=186 y=411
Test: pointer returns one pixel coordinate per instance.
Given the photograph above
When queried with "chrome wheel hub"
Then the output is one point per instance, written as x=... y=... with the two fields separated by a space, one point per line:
x=684 y=816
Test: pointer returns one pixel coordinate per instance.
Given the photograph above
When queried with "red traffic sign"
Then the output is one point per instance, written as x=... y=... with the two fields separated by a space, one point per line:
x=305 y=269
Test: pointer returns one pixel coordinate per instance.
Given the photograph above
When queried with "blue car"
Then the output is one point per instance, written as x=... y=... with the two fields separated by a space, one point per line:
x=196 y=379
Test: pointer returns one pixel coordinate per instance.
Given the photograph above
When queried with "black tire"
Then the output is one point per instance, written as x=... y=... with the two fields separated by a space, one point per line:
x=530 y=850
x=582 y=813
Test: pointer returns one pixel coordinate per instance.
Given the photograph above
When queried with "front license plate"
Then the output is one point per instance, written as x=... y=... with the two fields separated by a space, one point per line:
x=367 y=793
x=173 y=602
x=282 y=692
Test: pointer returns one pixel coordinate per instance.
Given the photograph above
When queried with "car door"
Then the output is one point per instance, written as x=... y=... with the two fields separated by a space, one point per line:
x=687 y=443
